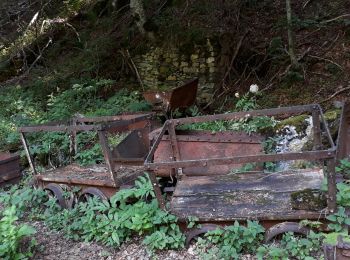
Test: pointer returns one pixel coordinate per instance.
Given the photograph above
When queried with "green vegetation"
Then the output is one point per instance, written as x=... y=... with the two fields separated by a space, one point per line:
x=22 y=106
x=344 y=167
x=248 y=124
x=129 y=212
x=12 y=235
x=230 y=242
x=293 y=246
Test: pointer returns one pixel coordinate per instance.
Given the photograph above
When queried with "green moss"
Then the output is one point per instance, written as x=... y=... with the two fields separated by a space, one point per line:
x=308 y=200
x=332 y=115
x=297 y=121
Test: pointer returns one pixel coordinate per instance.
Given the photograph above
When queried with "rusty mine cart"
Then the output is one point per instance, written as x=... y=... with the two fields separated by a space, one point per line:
x=193 y=168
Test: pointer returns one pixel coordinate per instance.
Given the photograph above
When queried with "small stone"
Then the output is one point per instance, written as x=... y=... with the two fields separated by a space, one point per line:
x=171 y=78
x=195 y=64
x=212 y=69
x=163 y=70
x=173 y=55
x=211 y=64
x=210 y=60
x=194 y=56
x=184 y=64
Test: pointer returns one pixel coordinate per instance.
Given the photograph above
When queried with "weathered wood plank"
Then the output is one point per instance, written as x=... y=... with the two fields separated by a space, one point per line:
x=275 y=182
x=250 y=196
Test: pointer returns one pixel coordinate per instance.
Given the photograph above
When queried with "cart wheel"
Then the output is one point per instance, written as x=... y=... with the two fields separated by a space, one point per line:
x=191 y=234
x=285 y=227
x=55 y=191
x=91 y=192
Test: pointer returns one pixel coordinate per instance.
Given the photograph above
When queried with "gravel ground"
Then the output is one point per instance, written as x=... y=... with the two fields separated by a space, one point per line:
x=53 y=245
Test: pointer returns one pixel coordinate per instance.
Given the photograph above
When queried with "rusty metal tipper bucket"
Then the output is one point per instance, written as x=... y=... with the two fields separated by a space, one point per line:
x=10 y=171
x=180 y=97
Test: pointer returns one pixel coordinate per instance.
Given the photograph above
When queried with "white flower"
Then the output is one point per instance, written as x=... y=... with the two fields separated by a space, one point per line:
x=254 y=88
x=237 y=95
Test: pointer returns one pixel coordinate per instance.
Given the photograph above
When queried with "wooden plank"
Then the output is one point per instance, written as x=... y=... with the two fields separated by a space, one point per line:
x=275 y=182
x=233 y=204
x=235 y=197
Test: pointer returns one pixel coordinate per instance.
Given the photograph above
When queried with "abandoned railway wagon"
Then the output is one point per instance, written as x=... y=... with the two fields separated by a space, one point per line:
x=202 y=168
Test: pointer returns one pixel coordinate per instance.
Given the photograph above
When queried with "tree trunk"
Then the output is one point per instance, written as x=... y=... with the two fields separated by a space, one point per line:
x=291 y=44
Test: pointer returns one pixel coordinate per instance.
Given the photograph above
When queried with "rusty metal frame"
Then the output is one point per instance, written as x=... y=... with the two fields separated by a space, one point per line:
x=318 y=153
x=343 y=140
x=119 y=123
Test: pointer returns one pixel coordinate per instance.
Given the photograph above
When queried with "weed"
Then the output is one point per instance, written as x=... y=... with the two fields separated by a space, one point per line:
x=343 y=194
x=11 y=236
x=230 y=242
x=130 y=211
x=292 y=246
x=340 y=221
x=248 y=124
x=344 y=167
x=248 y=167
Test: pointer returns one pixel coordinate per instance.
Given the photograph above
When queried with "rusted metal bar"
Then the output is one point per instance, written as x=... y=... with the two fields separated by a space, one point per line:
x=308 y=155
x=79 y=181
x=174 y=146
x=220 y=137
x=343 y=141
x=156 y=143
x=237 y=115
x=123 y=123
x=316 y=129
x=29 y=156
x=332 y=188
x=328 y=133
x=108 y=156
x=112 y=118
x=157 y=190
x=60 y=128
x=70 y=127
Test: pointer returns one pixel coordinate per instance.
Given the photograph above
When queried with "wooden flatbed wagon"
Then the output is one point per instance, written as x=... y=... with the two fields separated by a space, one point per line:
x=221 y=197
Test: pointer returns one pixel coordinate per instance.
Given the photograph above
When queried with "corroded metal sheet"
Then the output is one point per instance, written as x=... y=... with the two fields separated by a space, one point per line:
x=195 y=145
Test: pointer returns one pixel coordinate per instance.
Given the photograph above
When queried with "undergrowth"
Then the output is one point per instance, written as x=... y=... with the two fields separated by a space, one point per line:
x=247 y=124
x=135 y=211
x=22 y=106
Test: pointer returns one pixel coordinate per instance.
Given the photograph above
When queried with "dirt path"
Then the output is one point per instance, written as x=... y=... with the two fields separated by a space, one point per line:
x=53 y=245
